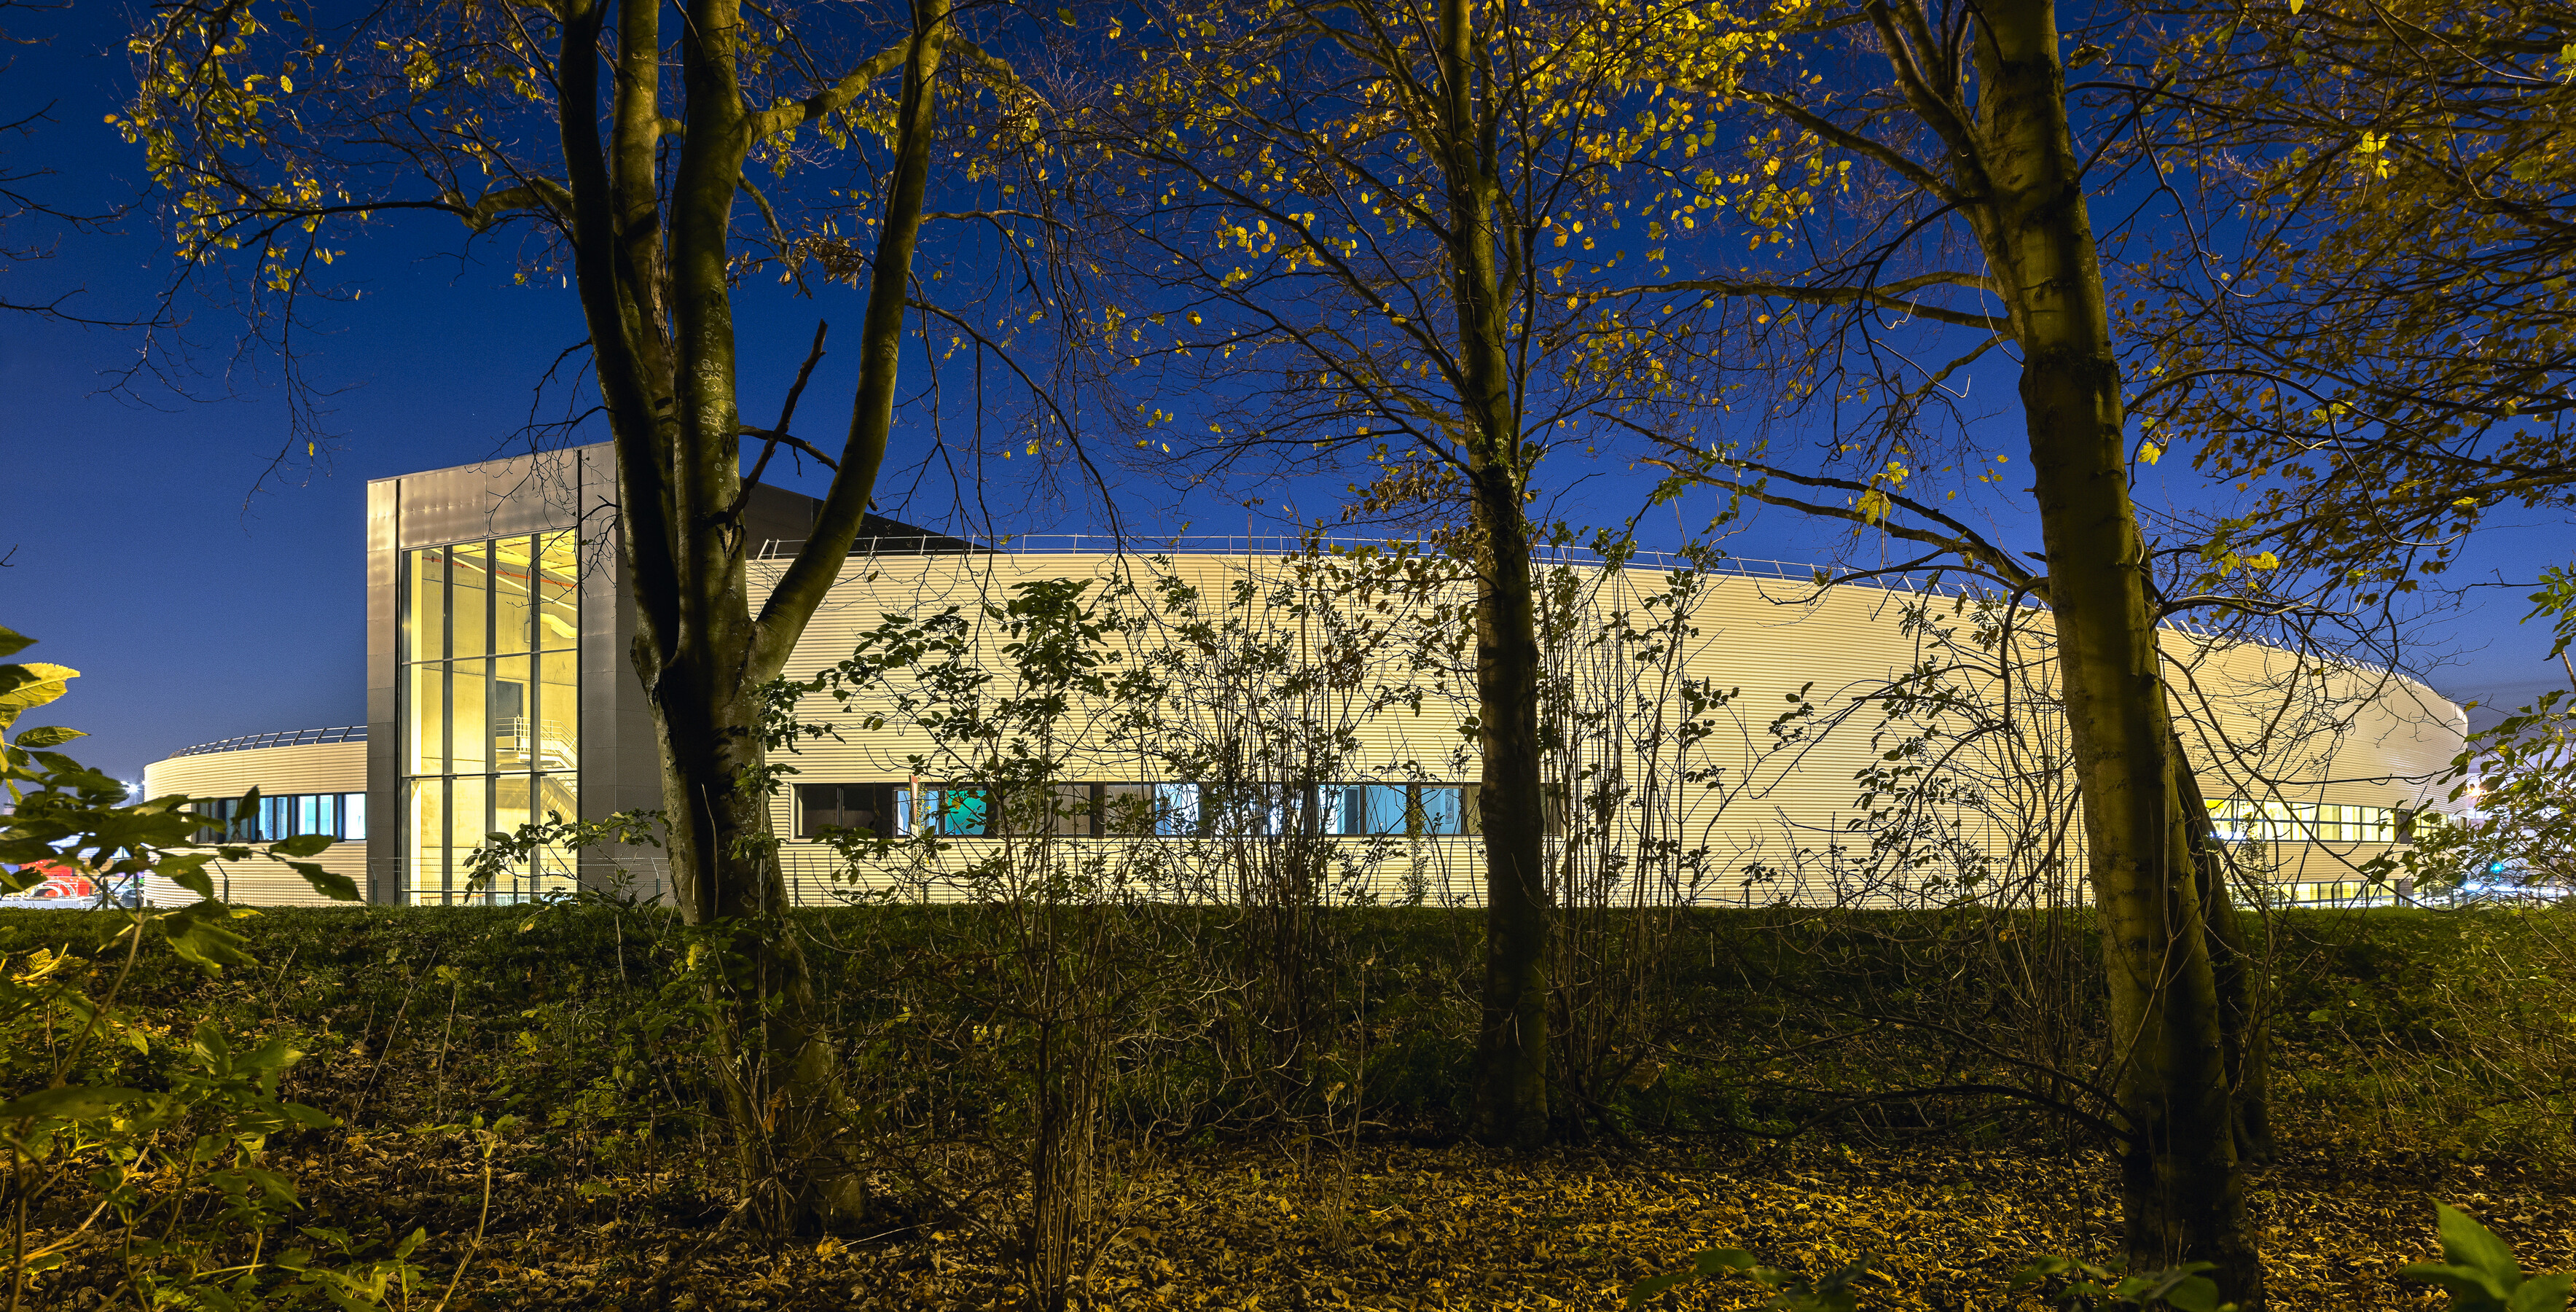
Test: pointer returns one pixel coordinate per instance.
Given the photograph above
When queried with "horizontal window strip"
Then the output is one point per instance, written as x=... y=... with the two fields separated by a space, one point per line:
x=2240 y=820
x=286 y=815
x=1142 y=810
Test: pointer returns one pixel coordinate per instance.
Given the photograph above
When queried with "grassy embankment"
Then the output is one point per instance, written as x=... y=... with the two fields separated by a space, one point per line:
x=2419 y=1056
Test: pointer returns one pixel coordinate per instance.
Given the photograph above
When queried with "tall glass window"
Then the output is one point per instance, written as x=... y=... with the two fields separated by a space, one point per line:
x=491 y=713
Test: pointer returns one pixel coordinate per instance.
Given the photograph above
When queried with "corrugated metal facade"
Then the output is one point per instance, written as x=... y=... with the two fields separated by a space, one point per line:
x=1755 y=809
x=339 y=767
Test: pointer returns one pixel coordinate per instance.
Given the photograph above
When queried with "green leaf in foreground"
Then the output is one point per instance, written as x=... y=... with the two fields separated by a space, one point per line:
x=71 y=1102
x=1832 y=1293
x=2480 y=1272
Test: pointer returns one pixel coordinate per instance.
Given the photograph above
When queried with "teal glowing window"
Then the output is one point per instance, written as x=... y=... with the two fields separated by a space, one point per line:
x=269 y=819
x=1137 y=810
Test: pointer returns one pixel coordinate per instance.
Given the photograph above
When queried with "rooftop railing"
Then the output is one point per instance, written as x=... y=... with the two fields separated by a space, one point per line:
x=1104 y=544
x=1802 y=573
x=347 y=733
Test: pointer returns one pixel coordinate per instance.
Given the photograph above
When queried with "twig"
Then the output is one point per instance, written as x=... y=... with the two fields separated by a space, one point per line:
x=400 y=1015
x=477 y=1245
x=786 y=413
x=799 y=443
x=455 y=988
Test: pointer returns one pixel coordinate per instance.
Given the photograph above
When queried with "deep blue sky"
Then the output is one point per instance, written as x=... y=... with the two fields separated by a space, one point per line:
x=196 y=610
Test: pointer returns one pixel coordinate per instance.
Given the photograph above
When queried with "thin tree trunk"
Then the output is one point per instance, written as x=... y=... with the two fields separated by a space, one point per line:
x=2183 y=1193
x=1511 y=1042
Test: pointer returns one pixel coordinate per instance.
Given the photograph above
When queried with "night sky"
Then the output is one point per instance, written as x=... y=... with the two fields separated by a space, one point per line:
x=203 y=598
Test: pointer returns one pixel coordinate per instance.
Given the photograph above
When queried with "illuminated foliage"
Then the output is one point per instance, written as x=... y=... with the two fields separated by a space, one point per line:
x=2370 y=332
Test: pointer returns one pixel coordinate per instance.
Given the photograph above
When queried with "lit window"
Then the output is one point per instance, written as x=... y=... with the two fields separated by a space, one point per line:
x=1176 y=810
x=964 y=812
x=491 y=706
x=1378 y=809
x=2239 y=821
x=1374 y=810
x=333 y=815
x=1449 y=810
x=1126 y=810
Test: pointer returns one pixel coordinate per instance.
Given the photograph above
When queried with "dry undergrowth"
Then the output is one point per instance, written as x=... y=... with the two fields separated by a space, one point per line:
x=1404 y=1227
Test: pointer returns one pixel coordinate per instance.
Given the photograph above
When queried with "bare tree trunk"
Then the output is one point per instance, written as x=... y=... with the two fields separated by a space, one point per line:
x=1985 y=80
x=1511 y=1044
x=646 y=206
x=782 y=1083
x=1066 y=945
x=661 y=323
x=2183 y=1193
x=2245 y=1017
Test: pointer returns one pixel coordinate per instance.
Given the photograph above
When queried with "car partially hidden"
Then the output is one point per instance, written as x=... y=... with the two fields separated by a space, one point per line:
x=62 y=886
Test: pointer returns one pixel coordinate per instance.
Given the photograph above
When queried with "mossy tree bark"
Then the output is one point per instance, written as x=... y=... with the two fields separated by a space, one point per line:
x=636 y=185
x=2183 y=1190
x=2243 y=996
x=659 y=309
x=1986 y=83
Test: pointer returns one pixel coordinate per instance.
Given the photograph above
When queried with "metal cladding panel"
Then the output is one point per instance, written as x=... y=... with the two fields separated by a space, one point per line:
x=384 y=885
x=274 y=771
x=620 y=769
x=2268 y=725
x=1746 y=636
x=2254 y=710
x=603 y=630
x=260 y=882
x=535 y=492
x=1791 y=807
x=516 y=494
x=298 y=768
x=383 y=778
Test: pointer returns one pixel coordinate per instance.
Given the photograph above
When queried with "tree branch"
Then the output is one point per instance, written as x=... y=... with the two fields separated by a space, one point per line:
x=1889 y=297
x=797 y=113
x=786 y=414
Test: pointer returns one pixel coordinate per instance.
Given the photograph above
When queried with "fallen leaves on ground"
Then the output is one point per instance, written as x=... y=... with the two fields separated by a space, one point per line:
x=1389 y=1227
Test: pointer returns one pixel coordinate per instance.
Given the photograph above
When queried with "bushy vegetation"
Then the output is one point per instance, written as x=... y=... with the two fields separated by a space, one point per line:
x=554 y=1066
x=2371 y=1003
x=228 y=1108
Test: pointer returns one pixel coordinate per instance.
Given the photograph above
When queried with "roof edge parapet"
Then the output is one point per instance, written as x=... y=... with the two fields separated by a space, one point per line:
x=347 y=733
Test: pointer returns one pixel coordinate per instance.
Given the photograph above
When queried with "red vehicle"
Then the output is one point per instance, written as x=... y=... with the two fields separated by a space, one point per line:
x=62 y=885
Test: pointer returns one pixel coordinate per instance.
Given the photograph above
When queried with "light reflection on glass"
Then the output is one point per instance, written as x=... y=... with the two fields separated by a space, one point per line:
x=487 y=743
